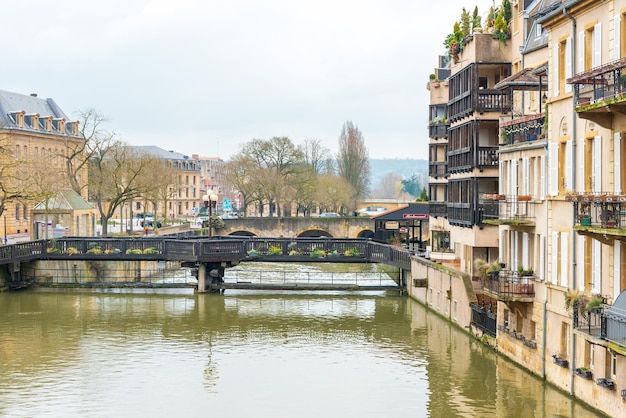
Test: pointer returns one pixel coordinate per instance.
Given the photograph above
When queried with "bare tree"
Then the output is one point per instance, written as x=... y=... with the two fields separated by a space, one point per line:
x=353 y=161
x=317 y=156
x=389 y=187
x=78 y=153
x=11 y=188
x=334 y=193
x=116 y=176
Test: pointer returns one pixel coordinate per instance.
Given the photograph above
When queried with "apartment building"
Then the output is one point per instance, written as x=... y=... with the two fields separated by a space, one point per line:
x=557 y=91
x=183 y=194
x=586 y=317
x=35 y=136
x=463 y=150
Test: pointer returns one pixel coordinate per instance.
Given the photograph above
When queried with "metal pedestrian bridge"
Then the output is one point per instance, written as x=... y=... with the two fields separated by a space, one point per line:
x=210 y=259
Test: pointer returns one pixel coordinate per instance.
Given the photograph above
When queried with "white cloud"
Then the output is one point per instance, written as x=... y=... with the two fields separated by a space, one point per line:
x=186 y=75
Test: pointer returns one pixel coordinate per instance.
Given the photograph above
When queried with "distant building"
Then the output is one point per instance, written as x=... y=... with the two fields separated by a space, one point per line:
x=184 y=196
x=34 y=135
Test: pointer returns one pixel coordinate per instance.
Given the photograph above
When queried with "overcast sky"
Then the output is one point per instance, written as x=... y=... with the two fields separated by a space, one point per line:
x=205 y=76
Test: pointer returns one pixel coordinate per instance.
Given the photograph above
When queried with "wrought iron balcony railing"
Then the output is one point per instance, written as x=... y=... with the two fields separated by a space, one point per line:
x=523 y=129
x=502 y=209
x=599 y=210
x=511 y=285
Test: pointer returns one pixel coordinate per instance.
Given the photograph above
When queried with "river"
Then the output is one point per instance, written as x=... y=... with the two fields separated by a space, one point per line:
x=165 y=353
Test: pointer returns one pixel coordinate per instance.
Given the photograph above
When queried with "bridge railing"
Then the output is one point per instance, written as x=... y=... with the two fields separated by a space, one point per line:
x=203 y=249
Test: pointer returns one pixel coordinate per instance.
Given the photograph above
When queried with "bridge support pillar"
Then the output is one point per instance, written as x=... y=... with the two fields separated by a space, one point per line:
x=210 y=276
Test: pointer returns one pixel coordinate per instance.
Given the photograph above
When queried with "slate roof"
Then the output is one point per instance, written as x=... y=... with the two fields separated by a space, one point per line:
x=158 y=152
x=398 y=213
x=66 y=199
x=14 y=102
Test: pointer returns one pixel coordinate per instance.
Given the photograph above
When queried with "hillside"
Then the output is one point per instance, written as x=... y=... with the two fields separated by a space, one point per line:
x=379 y=168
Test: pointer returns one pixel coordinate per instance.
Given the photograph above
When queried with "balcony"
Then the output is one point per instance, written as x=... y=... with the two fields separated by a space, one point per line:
x=509 y=285
x=522 y=130
x=468 y=158
x=438 y=130
x=438 y=209
x=508 y=210
x=604 y=214
x=601 y=320
x=601 y=92
x=437 y=169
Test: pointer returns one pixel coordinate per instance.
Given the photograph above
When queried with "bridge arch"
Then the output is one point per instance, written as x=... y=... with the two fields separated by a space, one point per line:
x=365 y=233
x=313 y=232
x=242 y=233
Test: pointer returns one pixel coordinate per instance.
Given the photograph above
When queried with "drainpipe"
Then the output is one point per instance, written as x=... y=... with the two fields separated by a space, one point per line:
x=574 y=185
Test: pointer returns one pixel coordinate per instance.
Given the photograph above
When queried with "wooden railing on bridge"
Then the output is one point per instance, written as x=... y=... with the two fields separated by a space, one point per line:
x=202 y=250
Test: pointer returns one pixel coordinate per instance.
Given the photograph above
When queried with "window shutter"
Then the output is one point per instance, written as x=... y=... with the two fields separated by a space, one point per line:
x=525 y=255
x=617 y=163
x=617 y=268
x=595 y=255
x=542 y=176
x=568 y=165
x=553 y=173
x=597 y=45
x=568 y=63
x=555 y=73
x=564 y=259
x=581 y=262
x=597 y=164
x=541 y=271
x=581 y=182
x=581 y=51
x=555 y=257
x=514 y=250
x=501 y=178
x=617 y=52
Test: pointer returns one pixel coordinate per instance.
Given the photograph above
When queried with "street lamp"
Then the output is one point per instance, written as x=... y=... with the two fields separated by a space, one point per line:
x=210 y=202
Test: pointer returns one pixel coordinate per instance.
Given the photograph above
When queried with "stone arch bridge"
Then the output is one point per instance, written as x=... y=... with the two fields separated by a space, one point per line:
x=340 y=227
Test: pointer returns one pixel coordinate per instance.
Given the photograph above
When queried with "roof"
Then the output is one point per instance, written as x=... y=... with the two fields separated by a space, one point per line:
x=158 y=152
x=66 y=199
x=406 y=212
x=11 y=103
x=523 y=80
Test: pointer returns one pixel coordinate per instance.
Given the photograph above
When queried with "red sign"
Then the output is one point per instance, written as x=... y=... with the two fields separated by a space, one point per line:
x=415 y=216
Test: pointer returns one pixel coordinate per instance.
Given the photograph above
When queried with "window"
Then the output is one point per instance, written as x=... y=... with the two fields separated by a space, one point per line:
x=482 y=82
x=24 y=212
x=590 y=47
x=563 y=64
x=613 y=365
x=17 y=211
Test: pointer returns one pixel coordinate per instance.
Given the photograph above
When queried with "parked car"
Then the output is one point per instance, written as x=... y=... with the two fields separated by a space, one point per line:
x=150 y=223
x=330 y=215
x=147 y=215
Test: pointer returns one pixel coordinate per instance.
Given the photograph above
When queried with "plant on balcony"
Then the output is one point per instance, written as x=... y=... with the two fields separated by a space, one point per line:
x=134 y=251
x=522 y=272
x=71 y=251
x=572 y=299
x=352 y=252
x=584 y=372
x=150 y=250
x=594 y=303
x=94 y=250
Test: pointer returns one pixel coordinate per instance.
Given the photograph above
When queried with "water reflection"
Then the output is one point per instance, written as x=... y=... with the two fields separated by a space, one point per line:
x=252 y=354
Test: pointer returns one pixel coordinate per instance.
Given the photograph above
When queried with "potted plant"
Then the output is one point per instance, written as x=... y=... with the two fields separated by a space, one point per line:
x=584 y=372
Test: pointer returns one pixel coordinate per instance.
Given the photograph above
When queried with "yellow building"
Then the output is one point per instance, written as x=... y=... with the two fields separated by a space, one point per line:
x=35 y=135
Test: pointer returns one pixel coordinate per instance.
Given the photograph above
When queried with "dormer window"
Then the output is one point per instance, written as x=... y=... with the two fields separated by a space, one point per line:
x=48 y=123
x=18 y=118
x=59 y=125
x=33 y=120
